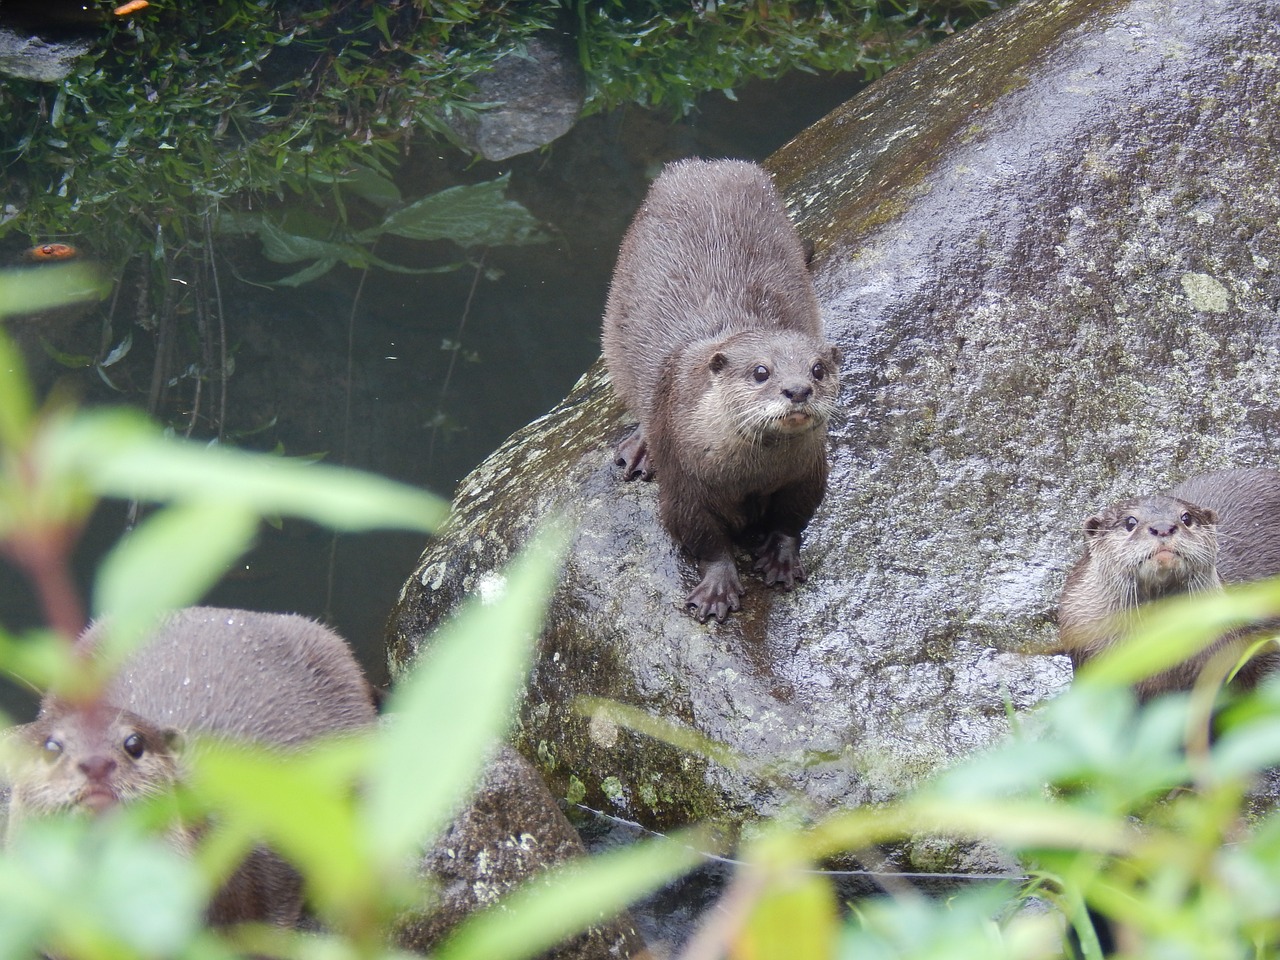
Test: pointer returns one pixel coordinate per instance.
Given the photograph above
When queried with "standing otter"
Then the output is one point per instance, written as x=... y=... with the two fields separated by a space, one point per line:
x=1214 y=528
x=274 y=679
x=713 y=340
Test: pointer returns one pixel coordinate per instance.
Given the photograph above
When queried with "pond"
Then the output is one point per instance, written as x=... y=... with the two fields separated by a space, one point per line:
x=359 y=368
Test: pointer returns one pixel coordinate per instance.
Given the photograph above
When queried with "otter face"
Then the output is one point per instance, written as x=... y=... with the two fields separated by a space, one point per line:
x=777 y=383
x=91 y=759
x=1164 y=545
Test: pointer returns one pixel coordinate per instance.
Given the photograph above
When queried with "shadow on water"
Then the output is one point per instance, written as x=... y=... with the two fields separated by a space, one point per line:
x=530 y=330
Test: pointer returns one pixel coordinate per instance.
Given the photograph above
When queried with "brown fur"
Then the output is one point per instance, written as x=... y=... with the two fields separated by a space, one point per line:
x=273 y=679
x=1213 y=528
x=710 y=294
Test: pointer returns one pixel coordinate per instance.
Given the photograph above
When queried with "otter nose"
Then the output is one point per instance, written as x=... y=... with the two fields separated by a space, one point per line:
x=798 y=394
x=97 y=768
x=1162 y=528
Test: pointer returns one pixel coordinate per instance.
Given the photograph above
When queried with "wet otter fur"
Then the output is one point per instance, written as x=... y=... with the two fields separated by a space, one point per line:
x=1214 y=528
x=713 y=339
x=274 y=679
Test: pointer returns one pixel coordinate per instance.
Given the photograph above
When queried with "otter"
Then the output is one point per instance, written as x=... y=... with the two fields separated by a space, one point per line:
x=275 y=679
x=713 y=340
x=1214 y=528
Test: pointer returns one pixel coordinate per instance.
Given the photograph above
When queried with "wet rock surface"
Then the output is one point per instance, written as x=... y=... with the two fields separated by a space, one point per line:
x=1047 y=251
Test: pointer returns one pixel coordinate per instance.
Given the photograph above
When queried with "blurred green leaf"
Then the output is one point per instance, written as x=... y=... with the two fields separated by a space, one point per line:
x=795 y=917
x=31 y=289
x=1176 y=629
x=121 y=454
x=78 y=882
x=154 y=568
x=446 y=715
x=17 y=409
x=293 y=800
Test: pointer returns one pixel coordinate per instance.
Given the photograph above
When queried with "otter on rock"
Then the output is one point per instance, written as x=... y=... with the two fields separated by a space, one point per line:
x=273 y=679
x=713 y=339
x=1212 y=528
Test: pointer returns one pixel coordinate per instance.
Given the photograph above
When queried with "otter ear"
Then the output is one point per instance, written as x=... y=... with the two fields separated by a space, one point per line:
x=173 y=740
x=1093 y=527
x=833 y=355
x=1209 y=515
x=718 y=362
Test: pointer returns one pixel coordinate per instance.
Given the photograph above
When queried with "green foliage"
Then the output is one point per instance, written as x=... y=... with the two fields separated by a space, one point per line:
x=664 y=54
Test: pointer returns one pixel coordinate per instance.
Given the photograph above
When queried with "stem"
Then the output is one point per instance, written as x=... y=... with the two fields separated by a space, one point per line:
x=45 y=559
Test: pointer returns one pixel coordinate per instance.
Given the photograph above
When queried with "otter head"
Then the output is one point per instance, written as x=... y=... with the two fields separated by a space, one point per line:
x=777 y=383
x=1154 y=546
x=89 y=759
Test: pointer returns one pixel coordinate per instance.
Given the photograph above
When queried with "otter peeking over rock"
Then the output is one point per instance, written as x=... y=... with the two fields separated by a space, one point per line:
x=1214 y=528
x=273 y=679
x=713 y=339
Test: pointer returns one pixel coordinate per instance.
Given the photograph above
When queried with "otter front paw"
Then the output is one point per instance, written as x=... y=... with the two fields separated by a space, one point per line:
x=632 y=455
x=717 y=595
x=778 y=560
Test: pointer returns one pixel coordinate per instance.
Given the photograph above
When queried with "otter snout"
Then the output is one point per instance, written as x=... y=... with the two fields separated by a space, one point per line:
x=798 y=394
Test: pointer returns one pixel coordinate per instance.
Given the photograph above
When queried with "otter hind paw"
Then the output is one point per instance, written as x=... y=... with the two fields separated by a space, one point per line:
x=632 y=455
x=718 y=594
x=778 y=561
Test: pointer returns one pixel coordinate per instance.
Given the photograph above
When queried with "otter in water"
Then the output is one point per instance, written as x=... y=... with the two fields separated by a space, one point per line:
x=274 y=679
x=1214 y=528
x=713 y=339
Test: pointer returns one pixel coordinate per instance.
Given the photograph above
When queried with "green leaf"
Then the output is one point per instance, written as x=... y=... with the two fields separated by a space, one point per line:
x=463 y=687
x=290 y=800
x=170 y=560
x=31 y=289
x=283 y=247
x=121 y=454
x=567 y=899
x=796 y=917
x=306 y=275
x=472 y=215
x=17 y=412
x=1175 y=629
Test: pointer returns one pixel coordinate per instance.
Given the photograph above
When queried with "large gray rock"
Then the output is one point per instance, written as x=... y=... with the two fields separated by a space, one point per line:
x=1048 y=250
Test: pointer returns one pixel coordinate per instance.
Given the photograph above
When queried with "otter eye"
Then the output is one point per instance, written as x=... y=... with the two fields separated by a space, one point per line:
x=1130 y=522
x=760 y=374
x=818 y=371
x=134 y=745
x=1187 y=520
x=52 y=749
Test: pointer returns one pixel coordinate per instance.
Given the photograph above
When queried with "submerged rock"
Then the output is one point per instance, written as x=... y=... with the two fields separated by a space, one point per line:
x=533 y=94
x=34 y=58
x=1048 y=252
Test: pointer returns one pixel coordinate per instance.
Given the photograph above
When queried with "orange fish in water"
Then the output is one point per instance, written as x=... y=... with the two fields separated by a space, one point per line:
x=133 y=6
x=49 y=252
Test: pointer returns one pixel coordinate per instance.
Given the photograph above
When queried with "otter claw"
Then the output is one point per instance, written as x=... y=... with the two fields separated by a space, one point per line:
x=632 y=455
x=778 y=561
x=718 y=593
